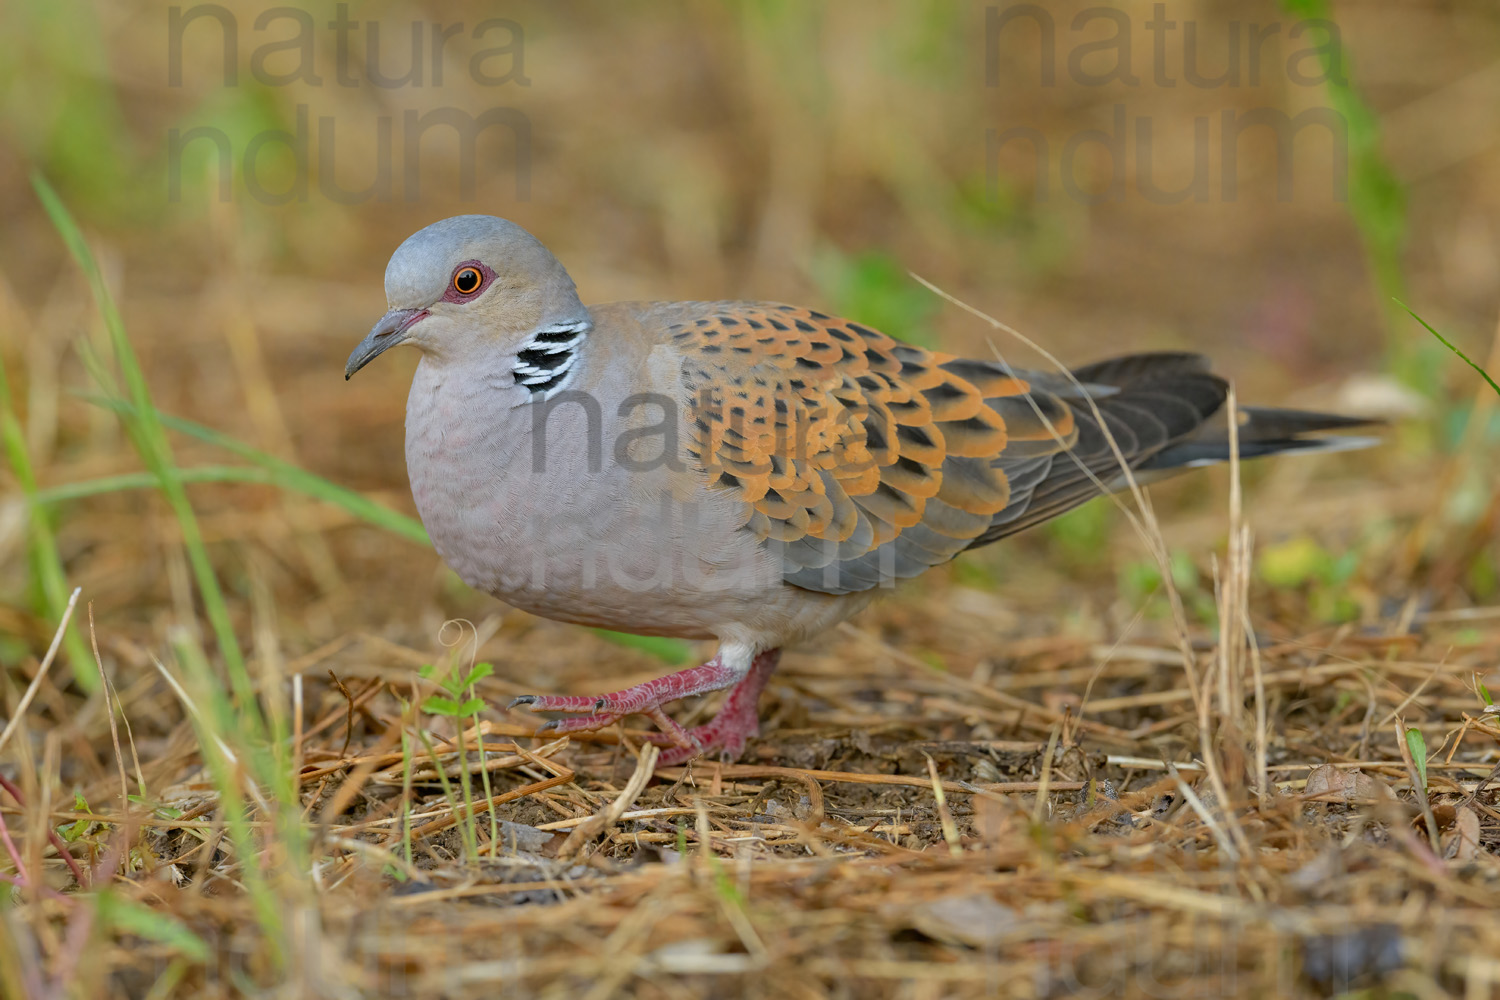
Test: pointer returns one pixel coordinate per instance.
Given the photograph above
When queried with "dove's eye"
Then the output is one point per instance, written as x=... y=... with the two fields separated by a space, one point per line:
x=466 y=280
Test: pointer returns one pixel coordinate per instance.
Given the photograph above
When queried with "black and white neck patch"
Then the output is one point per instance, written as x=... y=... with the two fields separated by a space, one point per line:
x=545 y=363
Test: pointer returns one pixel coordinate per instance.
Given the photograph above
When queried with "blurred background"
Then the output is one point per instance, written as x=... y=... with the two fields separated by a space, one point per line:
x=1255 y=180
x=1260 y=180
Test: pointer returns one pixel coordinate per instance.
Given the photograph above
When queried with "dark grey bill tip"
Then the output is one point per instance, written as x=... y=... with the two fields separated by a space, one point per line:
x=390 y=330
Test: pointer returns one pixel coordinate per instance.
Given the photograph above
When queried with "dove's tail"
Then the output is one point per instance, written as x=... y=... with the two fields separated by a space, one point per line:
x=1265 y=430
x=1262 y=430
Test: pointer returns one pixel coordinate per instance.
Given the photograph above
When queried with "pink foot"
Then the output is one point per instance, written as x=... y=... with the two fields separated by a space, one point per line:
x=736 y=721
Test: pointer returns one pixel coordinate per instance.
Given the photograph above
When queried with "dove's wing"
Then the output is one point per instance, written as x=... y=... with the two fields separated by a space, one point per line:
x=863 y=458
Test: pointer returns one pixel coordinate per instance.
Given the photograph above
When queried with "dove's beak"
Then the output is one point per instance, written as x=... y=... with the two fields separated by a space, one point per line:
x=390 y=331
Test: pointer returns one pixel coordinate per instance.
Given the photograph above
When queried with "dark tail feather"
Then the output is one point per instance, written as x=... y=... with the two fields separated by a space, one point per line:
x=1161 y=413
x=1265 y=431
x=1148 y=377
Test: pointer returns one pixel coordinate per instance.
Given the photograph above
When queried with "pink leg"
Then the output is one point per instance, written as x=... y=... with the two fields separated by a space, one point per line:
x=737 y=721
x=712 y=676
x=729 y=729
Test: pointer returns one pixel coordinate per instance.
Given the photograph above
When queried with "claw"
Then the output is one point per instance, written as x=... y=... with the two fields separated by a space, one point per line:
x=577 y=724
x=727 y=731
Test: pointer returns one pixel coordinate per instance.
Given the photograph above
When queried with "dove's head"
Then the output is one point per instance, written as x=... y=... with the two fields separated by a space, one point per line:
x=469 y=283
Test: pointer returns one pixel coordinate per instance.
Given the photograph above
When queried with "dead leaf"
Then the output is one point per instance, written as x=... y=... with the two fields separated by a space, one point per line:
x=997 y=822
x=1348 y=785
x=1461 y=842
x=975 y=921
x=1321 y=871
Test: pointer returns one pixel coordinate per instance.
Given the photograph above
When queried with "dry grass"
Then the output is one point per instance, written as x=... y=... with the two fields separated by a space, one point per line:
x=1041 y=771
x=902 y=829
x=1132 y=805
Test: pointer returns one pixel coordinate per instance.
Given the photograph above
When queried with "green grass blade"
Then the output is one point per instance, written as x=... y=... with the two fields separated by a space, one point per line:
x=217 y=723
x=125 y=915
x=1376 y=197
x=1451 y=346
x=84 y=488
x=466 y=829
x=1417 y=744
x=484 y=779
x=46 y=561
x=673 y=651
x=287 y=476
x=151 y=442
x=406 y=767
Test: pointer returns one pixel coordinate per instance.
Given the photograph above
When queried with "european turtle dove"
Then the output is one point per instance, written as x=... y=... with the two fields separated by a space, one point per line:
x=740 y=471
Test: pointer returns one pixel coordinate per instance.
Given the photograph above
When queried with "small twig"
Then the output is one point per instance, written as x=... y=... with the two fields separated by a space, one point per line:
x=297 y=710
x=1225 y=843
x=349 y=725
x=1046 y=778
x=945 y=815
x=371 y=689
x=10 y=848
x=1148 y=763
x=52 y=837
x=109 y=711
x=453 y=817
x=858 y=778
x=357 y=778
x=1417 y=691
x=610 y=814
x=1481 y=786
x=36 y=682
